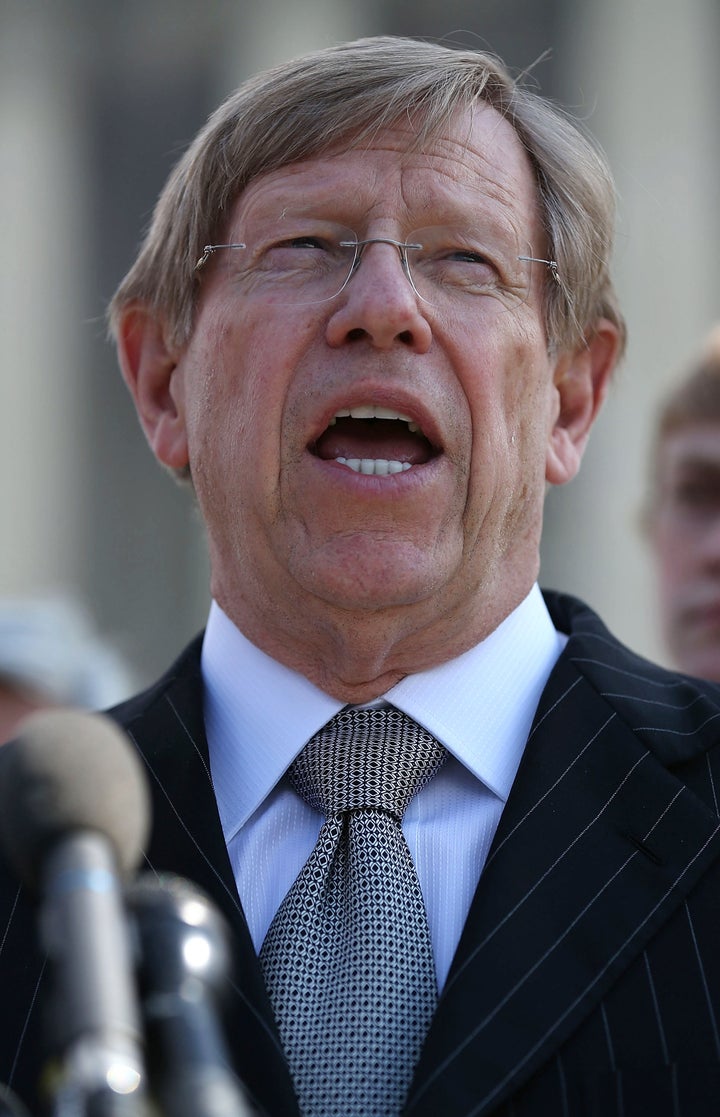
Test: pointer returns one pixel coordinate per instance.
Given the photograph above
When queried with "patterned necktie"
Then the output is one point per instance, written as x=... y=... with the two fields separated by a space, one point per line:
x=347 y=960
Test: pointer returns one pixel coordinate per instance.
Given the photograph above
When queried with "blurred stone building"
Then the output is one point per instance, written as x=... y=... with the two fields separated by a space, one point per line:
x=97 y=99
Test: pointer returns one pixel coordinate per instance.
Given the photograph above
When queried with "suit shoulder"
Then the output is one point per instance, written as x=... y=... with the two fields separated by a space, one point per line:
x=677 y=716
x=184 y=673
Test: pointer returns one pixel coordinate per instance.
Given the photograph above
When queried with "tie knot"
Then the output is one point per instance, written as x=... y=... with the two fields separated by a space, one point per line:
x=375 y=759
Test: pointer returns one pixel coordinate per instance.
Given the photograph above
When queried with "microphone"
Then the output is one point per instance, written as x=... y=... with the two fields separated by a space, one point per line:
x=74 y=817
x=184 y=969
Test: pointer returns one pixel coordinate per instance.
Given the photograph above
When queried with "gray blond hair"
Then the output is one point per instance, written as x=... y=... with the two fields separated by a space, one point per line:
x=345 y=95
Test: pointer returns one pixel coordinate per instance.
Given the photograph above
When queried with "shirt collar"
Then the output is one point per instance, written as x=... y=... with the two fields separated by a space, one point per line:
x=479 y=705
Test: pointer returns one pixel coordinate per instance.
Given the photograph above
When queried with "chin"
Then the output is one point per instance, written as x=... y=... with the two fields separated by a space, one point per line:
x=386 y=578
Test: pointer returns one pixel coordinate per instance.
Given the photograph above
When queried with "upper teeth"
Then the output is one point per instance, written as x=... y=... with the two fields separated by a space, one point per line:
x=370 y=411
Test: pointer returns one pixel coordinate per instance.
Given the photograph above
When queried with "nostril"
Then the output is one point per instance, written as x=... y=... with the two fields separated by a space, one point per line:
x=405 y=337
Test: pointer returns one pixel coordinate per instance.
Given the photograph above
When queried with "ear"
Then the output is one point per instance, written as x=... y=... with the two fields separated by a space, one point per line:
x=581 y=378
x=150 y=369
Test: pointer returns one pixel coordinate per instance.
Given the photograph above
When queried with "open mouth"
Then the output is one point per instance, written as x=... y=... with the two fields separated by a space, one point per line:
x=373 y=440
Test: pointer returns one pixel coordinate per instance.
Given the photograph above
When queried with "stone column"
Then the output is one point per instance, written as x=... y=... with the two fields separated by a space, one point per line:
x=43 y=251
x=644 y=75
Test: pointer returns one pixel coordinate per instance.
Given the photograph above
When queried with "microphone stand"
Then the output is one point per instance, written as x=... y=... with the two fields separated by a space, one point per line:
x=184 y=969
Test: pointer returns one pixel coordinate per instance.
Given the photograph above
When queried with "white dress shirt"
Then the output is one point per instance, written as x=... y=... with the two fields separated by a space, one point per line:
x=259 y=715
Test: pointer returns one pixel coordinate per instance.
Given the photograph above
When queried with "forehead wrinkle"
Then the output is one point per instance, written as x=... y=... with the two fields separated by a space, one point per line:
x=468 y=173
x=480 y=151
x=479 y=196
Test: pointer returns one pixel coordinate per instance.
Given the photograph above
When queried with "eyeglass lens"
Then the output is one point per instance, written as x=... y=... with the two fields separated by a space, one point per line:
x=311 y=260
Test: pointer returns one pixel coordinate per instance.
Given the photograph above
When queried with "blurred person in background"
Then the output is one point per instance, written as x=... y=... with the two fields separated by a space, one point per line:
x=682 y=518
x=52 y=655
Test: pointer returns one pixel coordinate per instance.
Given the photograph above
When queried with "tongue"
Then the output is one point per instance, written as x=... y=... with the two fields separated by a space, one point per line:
x=373 y=438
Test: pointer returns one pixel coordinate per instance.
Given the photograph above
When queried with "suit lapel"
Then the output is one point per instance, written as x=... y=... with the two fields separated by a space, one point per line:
x=167 y=726
x=598 y=843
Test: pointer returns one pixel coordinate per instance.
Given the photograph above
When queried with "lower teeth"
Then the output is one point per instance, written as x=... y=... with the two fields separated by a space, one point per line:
x=377 y=467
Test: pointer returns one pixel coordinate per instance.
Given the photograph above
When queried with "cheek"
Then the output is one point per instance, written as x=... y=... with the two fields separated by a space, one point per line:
x=527 y=412
x=234 y=400
x=509 y=389
x=674 y=559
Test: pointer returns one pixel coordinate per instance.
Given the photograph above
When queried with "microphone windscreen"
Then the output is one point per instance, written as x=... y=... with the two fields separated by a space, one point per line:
x=70 y=770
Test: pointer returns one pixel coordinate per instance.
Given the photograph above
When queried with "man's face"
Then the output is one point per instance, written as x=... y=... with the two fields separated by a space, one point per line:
x=685 y=533
x=267 y=387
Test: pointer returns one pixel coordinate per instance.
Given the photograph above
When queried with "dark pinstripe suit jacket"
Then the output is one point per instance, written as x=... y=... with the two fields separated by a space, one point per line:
x=587 y=979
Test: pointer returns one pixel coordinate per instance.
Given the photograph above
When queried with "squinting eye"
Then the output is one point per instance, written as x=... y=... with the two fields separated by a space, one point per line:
x=466 y=256
x=303 y=251
x=303 y=242
x=456 y=266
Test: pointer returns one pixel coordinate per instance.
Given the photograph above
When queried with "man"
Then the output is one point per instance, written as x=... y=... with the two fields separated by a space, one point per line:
x=371 y=322
x=683 y=515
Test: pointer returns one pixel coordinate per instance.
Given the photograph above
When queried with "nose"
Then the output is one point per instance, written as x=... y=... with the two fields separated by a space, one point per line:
x=379 y=303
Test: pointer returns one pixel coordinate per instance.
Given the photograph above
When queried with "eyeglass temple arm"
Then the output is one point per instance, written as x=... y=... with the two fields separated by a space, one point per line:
x=551 y=264
x=208 y=249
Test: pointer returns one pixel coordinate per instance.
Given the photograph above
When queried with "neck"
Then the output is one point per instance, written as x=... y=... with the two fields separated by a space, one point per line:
x=357 y=656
